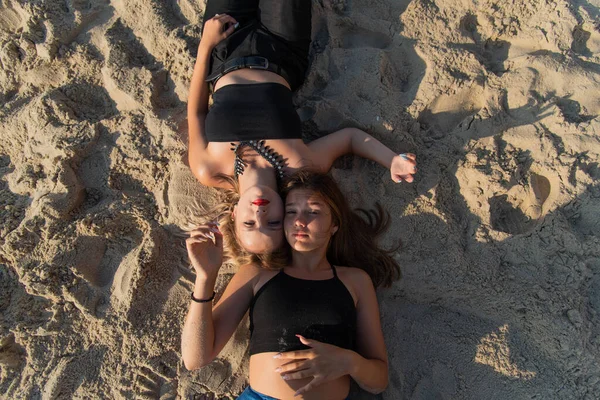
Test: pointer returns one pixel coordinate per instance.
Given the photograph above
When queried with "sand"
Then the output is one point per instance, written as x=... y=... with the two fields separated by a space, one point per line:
x=501 y=230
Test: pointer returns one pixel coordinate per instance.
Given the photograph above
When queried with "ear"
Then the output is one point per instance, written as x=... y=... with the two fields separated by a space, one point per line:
x=334 y=229
x=233 y=212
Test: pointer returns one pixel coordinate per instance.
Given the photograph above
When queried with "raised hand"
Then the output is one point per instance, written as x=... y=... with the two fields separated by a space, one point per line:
x=205 y=250
x=403 y=167
x=216 y=29
x=323 y=362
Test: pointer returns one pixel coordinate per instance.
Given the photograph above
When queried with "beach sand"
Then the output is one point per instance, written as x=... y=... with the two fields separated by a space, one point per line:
x=500 y=297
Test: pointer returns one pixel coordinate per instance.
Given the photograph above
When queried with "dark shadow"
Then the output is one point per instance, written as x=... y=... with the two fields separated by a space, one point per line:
x=19 y=308
x=491 y=54
x=506 y=218
x=441 y=344
x=592 y=11
x=85 y=101
x=127 y=54
x=580 y=38
x=571 y=111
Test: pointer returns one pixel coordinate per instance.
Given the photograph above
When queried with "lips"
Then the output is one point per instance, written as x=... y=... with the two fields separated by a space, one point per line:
x=260 y=202
x=300 y=234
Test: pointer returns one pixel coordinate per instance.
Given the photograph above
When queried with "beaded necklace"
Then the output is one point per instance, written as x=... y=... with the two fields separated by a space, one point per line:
x=266 y=152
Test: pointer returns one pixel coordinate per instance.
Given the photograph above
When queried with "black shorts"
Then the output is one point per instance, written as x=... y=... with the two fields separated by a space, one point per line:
x=279 y=30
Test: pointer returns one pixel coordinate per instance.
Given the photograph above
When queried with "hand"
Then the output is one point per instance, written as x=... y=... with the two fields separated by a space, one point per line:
x=324 y=362
x=403 y=167
x=205 y=250
x=214 y=30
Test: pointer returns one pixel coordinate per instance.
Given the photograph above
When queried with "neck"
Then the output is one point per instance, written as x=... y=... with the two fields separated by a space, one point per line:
x=312 y=261
x=257 y=175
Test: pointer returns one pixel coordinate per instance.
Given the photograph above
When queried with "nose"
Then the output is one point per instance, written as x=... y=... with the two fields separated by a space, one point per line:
x=300 y=220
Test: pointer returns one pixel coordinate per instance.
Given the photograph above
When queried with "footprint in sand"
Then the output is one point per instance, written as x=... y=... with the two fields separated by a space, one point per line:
x=151 y=385
x=357 y=37
x=490 y=53
x=12 y=355
x=11 y=18
x=68 y=374
x=580 y=39
x=348 y=35
x=571 y=111
x=520 y=210
x=447 y=111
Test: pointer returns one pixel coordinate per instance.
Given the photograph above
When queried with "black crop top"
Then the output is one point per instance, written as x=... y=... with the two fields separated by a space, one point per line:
x=285 y=306
x=252 y=112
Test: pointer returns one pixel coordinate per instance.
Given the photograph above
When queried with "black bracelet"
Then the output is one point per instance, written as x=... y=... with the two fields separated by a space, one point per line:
x=203 y=300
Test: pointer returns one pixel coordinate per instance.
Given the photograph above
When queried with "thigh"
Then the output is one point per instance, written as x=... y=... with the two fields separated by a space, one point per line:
x=242 y=10
x=290 y=19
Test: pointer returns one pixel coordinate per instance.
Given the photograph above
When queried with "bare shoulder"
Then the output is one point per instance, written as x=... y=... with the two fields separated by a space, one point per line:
x=356 y=275
x=249 y=271
x=357 y=281
x=256 y=275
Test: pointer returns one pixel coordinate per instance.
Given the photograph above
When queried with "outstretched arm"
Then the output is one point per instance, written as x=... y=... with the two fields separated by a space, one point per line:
x=325 y=150
x=207 y=329
x=197 y=106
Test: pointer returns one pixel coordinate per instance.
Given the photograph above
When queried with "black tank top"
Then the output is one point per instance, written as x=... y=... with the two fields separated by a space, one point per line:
x=252 y=112
x=285 y=306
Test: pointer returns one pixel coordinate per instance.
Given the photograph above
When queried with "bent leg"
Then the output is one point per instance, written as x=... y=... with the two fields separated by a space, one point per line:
x=289 y=19
x=242 y=10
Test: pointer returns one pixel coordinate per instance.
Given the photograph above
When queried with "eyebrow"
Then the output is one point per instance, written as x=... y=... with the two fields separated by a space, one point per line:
x=317 y=202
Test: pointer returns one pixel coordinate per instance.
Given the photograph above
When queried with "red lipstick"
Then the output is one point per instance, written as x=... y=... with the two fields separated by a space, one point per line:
x=260 y=202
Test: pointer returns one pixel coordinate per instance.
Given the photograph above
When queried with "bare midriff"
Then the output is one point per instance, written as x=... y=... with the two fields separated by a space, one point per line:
x=294 y=150
x=264 y=379
x=249 y=76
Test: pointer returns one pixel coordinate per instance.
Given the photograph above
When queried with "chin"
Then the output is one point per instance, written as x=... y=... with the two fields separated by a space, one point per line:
x=302 y=246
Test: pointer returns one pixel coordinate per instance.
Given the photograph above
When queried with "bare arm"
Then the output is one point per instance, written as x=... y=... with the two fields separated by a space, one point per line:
x=207 y=329
x=369 y=365
x=325 y=150
x=197 y=107
x=199 y=159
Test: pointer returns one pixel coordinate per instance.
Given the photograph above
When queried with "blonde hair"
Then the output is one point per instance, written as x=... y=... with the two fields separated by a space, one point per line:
x=222 y=212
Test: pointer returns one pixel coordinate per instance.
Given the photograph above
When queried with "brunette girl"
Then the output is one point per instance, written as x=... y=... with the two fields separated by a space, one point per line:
x=315 y=323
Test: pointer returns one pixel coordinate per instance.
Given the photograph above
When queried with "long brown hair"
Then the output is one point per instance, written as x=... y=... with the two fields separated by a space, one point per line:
x=355 y=244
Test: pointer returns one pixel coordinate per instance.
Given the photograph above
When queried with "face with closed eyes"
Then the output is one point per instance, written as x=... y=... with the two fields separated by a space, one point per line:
x=308 y=221
x=258 y=219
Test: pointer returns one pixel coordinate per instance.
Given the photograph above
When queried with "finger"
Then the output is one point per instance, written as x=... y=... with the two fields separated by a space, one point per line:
x=408 y=178
x=307 y=373
x=192 y=241
x=397 y=178
x=295 y=355
x=412 y=156
x=200 y=235
x=292 y=366
x=227 y=19
x=218 y=239
x=307 y=342
x=210 y=227
x=229 y=30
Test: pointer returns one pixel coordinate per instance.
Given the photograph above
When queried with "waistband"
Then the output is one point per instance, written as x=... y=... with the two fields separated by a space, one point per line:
x=251 y=394
x=252 y=62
